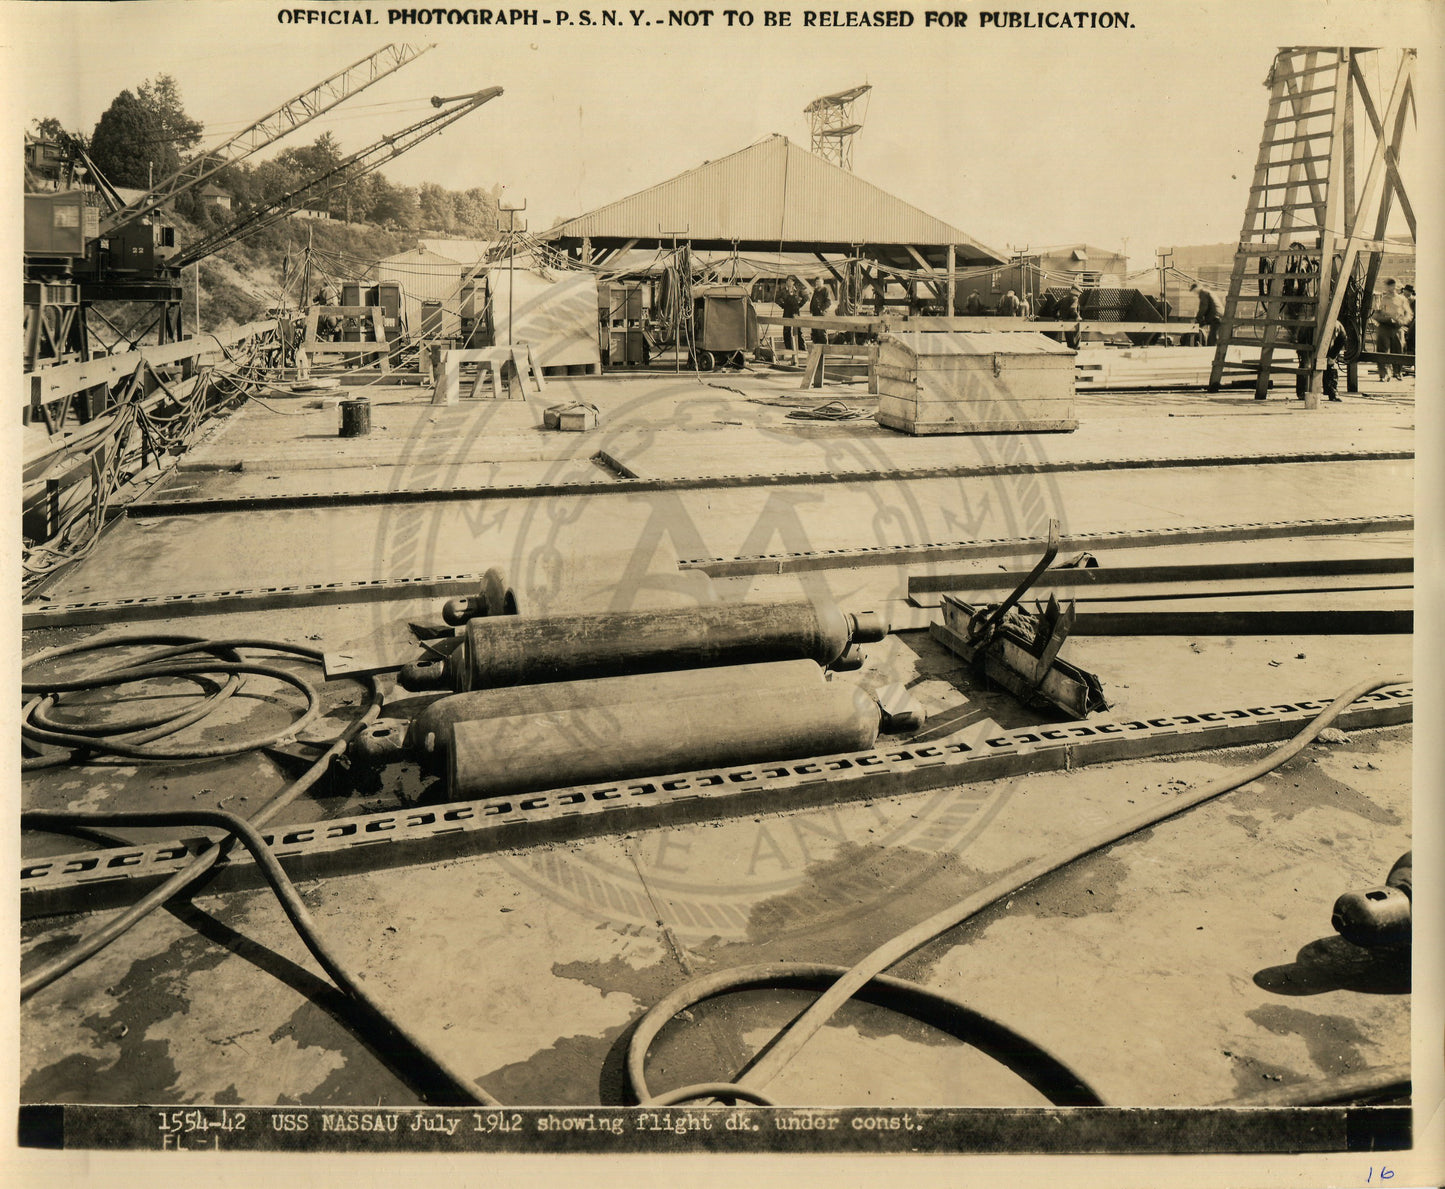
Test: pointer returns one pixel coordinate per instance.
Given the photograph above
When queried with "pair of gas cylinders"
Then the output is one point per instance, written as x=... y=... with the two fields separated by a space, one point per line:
x=550 y=701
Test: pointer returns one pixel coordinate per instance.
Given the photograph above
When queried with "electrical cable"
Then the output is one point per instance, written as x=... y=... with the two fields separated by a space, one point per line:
x=203 y=862
x=38 y=726
x=464 y=1090
x=790 y=1042
x=833 y=410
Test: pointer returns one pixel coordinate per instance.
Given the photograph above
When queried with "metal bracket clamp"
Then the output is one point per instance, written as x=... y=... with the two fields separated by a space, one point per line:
x=982 y=626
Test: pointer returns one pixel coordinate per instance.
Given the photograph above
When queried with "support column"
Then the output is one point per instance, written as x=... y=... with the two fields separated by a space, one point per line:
x=952 y=281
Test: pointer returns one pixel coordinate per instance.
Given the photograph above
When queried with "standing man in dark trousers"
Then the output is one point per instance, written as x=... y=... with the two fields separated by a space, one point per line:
x=818 y=307
x=1208 y=317
x=1329 y=377
x=1391 y=315
x=790 y=301
x=1068 y=311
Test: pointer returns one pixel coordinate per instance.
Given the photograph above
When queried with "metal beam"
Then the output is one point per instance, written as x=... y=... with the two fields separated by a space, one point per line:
x=90 y=880
x=896 y=555
x=1129 y=575
x=294 y=113
x=225 y=602
x=628 y=482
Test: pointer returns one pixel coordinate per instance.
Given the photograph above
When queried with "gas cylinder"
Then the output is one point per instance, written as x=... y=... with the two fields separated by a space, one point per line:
x=557 y=748
x=428 y=734
x=531 y=649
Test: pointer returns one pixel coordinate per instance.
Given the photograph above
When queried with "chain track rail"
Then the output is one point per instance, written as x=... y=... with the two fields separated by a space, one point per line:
x=252 y=598
x=626 y=481
x=922 y=554
x=427 y=834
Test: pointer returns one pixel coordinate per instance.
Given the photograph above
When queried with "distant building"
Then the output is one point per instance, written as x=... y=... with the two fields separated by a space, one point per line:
x=213 y=195
x=1081 y=264
x=1032 y=272
x=45 y=163
x=463 y=251
x=1214 y=263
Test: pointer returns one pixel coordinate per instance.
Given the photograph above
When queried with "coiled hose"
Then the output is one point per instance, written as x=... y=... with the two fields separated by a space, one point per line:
x=134 y=738
x=91 y=739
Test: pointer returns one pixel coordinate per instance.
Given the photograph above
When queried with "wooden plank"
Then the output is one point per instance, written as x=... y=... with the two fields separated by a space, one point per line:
x=987 y=390
x=965 y=412
x=840 y=322
x=1022 y=325
x=55 y=383
x=919 y=428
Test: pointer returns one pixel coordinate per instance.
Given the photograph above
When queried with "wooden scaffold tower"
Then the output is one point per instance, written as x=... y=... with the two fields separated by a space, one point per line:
x=1310 y=251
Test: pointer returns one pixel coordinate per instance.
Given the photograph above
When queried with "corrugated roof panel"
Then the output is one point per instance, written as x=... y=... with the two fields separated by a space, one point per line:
x=772 y=190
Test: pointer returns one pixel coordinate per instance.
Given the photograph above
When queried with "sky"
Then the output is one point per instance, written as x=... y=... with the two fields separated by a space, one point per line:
x=1130 y=139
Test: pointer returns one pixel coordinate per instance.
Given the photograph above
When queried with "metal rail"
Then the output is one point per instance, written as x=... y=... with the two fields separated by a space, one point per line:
x=159 y=505
x=898 y=555
x=256 y=598
x=52 y=384
x=112 y=877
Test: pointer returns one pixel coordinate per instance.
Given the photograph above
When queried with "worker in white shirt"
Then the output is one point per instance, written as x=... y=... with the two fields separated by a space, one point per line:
x=1391 y=315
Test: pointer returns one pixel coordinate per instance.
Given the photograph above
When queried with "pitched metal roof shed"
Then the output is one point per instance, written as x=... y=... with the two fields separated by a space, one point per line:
x=774 y=195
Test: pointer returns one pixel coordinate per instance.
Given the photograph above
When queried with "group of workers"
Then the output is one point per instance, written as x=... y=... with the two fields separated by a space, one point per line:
x=793 y=296
x=1393 y=316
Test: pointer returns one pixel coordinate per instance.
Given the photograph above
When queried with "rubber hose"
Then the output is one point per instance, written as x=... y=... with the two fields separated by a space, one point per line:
x=136 y=723
x=37 y=709
x=1388 y=1081
x=703 y=1090
x=1053 y=1079
x=788 y=1043
x=466 y=1091
x=89 y=739
x=195 y=870
x=35 y=712
x=116 y=745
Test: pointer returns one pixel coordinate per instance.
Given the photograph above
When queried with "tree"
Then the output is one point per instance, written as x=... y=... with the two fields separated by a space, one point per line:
x=142 y=135
x=477 y=212
x=394 y=206
x=438 y=207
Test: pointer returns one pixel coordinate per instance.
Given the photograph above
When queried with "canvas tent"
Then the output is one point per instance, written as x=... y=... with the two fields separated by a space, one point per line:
x=776 y=198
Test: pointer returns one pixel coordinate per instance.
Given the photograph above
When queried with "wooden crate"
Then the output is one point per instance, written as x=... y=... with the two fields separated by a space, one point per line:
x=974 y=382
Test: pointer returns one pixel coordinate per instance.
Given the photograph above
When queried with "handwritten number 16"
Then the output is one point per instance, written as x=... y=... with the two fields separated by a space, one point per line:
x=1385 y=1174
